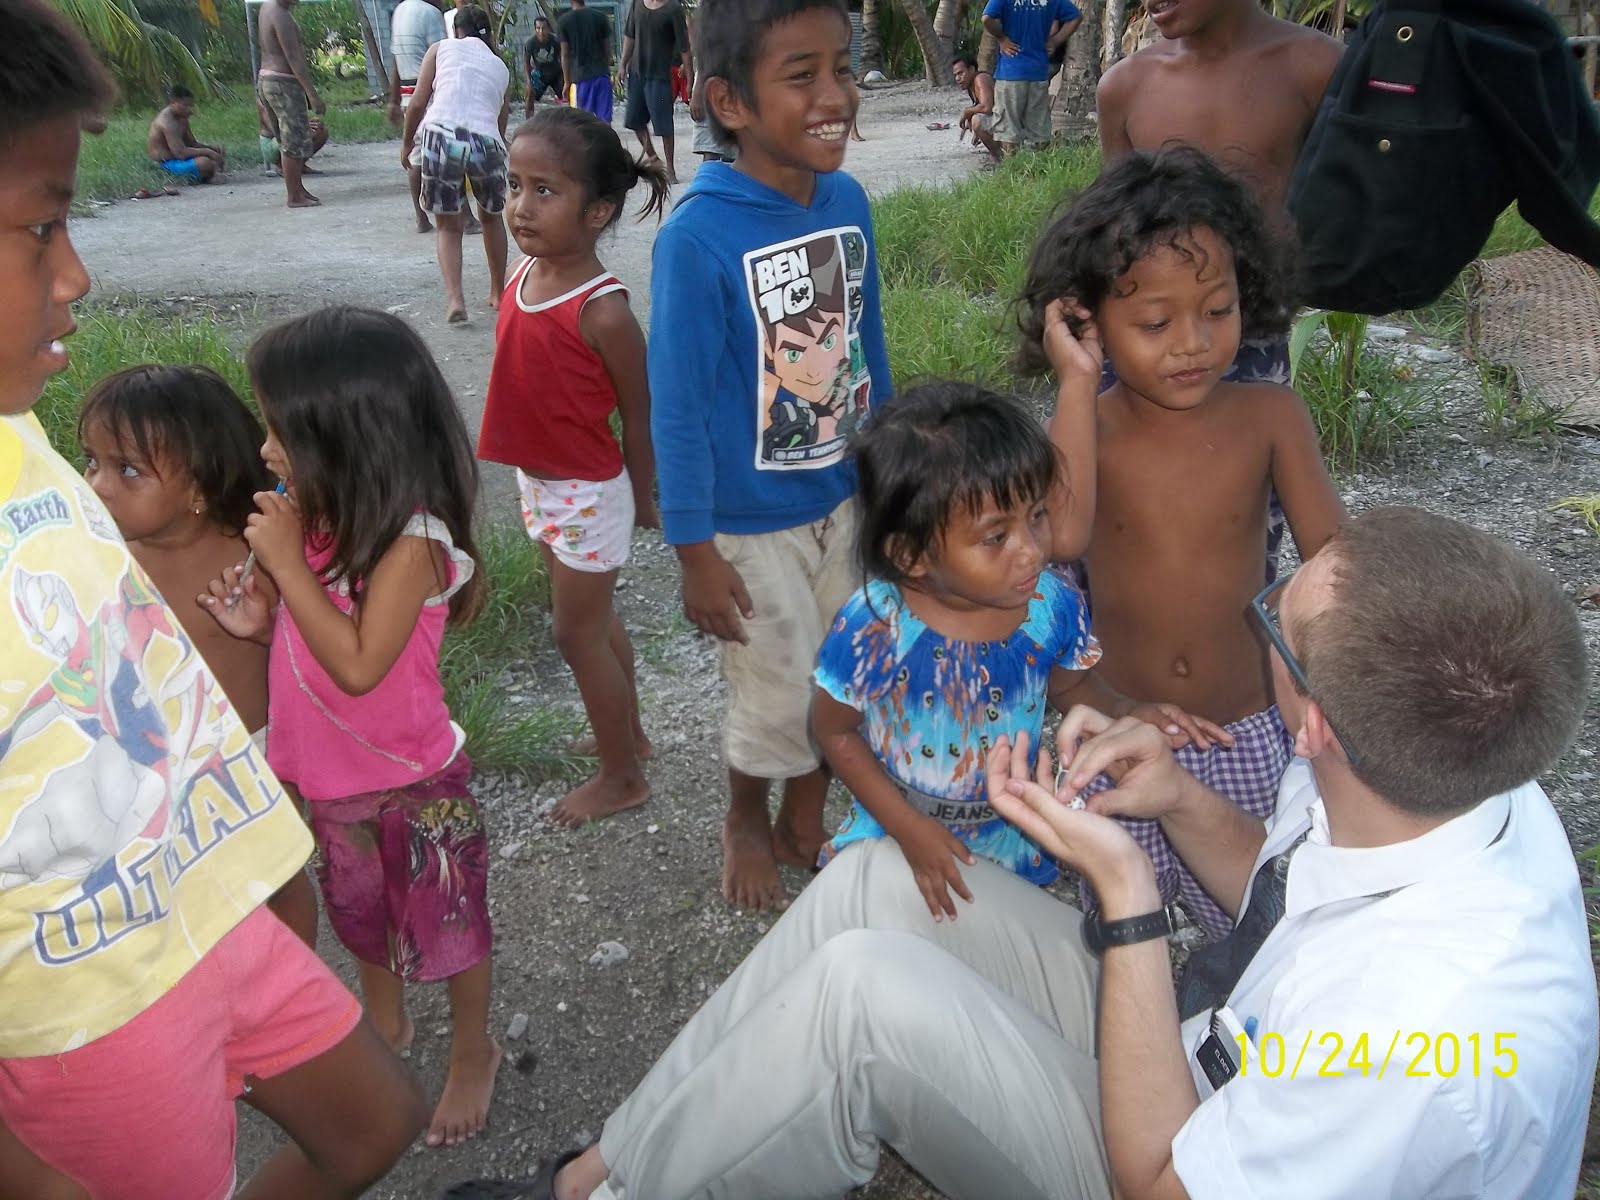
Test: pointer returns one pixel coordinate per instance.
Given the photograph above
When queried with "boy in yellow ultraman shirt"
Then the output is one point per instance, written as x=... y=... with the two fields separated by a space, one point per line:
x=143 y=984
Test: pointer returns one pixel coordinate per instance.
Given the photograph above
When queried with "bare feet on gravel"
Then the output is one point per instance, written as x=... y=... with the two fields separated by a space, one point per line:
x=423 y=224
x=602 y=796
x=587 y=747
x=463 y=1108
x=749 y=871
x=304 y=200
x=794 y=847
x=456 y=316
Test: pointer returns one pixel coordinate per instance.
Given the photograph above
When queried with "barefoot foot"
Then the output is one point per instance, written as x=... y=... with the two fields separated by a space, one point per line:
x=423 y=224
x=456 y=316
x=749 y=871
x=793 y=847
x=600 y=797
x=463 y=1108
x=304 y=200
x=587 y=747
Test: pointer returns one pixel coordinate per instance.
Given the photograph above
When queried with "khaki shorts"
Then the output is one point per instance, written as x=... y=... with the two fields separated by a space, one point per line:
x=798 y=579
x=1022 y=112
x=287 y=100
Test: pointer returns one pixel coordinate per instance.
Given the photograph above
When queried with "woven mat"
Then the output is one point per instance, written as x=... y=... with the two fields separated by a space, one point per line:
x=1537 y=313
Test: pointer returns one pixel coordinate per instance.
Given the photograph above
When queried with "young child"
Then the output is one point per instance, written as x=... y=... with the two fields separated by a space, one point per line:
x=146 y=984
x=1166 y=261
x=766 y=352
x=172 y=452
x=568 y=353
x=1242 y=85
x=957 y=637
x=370 y=551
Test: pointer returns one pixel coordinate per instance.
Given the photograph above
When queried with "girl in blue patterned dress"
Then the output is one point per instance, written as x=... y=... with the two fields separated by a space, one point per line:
x=959 y=635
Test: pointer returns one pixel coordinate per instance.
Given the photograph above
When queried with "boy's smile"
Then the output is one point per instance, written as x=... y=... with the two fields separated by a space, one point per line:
x=41 y=272
x=804 y=98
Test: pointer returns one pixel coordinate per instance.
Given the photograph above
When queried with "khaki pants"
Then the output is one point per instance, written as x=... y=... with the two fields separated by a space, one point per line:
x=967 y=1045
x=1022 y=112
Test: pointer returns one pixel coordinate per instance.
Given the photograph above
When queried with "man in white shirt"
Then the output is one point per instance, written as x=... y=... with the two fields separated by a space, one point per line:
x=414 y=26
x=1406 y=1007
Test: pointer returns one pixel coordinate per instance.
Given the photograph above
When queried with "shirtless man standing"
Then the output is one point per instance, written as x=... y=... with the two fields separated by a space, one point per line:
x=284 y=85
x=172 y=145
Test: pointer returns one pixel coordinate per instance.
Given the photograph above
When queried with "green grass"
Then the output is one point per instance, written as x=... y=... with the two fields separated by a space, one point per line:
x=114 y=165
x=519 y=741
x=952 y=258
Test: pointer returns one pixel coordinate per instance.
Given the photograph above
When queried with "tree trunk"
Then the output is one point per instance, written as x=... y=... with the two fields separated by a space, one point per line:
x=1072 y=115
x=946 y=21
x=871 y=37
x=377 y=79
x=934 y=60
x=988 y=52
x=1116 y=19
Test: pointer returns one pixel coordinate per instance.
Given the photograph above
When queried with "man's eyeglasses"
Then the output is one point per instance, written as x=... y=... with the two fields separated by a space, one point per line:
x=1265 y=608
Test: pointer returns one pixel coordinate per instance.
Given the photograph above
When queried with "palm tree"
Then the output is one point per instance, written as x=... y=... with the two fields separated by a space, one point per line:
x=946 y=21
x=871 y=37
x=935 y=59
x=1072 y=117
x=142 y=56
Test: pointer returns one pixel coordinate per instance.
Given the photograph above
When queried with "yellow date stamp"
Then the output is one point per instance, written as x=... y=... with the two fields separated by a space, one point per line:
x=1416 y=1054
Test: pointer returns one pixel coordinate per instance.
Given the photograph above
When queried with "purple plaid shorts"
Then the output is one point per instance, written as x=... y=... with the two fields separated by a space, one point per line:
x=1248 y=775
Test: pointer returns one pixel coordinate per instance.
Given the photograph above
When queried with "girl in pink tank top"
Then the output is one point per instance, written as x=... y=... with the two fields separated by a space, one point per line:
x=360 y=562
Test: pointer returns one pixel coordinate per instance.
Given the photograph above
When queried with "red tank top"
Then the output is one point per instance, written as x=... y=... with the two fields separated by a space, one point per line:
x=550 y=397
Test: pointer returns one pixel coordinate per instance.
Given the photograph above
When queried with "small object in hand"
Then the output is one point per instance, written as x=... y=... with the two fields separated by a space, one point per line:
x=938 y=125
x=249 y=563
x=1079 y=801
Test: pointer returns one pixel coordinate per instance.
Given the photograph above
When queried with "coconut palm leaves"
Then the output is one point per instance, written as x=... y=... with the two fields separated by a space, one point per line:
x=144 y=57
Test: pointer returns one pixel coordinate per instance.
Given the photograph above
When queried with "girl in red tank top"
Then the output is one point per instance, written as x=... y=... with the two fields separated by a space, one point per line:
x=568 y=353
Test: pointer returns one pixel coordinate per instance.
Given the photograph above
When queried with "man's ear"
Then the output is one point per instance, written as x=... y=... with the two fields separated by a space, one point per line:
x=726 y=105
x=1316 y=736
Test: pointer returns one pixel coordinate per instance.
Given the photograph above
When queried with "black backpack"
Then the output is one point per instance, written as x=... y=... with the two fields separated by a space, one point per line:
x=1439 y=116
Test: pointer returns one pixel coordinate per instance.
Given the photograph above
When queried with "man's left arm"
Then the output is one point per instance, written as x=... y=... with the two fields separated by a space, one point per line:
x=1068 y=18
x=680 y=29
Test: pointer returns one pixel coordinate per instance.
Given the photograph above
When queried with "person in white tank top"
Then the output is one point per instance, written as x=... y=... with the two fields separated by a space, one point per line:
x=455 y=132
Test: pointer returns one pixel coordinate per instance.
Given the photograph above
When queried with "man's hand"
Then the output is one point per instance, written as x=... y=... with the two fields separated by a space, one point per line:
x=1009 y=48
x=932 y=852
x=714 y=596
x=318 y=104
x=406 y=149
x=1078 y=355
x=1134 y=753
x=393 y=112
x=645 y=513
x=1095 y=846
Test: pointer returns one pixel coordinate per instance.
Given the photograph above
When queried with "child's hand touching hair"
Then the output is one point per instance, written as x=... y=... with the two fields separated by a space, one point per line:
x=1073 y=356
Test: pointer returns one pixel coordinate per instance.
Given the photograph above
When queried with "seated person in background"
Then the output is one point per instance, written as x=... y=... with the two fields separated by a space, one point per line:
x=172 y=145
x=268 y=131
x=978 y=117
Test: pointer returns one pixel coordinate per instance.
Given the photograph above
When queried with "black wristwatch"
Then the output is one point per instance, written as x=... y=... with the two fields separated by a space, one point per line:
x=1130 y=931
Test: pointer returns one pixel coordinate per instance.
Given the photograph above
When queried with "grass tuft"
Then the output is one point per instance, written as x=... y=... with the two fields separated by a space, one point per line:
x=1587 y=507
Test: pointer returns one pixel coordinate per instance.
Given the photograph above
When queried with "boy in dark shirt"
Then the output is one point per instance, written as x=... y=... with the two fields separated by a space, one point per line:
x=586 y=59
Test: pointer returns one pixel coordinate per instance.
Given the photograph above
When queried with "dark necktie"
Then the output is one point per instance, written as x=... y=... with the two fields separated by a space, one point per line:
x=1213 y=970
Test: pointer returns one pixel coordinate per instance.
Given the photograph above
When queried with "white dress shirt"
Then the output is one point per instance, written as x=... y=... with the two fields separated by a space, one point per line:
x=1476 y=930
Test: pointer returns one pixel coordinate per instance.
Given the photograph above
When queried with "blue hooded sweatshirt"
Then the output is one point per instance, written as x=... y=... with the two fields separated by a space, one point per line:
x=766 y=353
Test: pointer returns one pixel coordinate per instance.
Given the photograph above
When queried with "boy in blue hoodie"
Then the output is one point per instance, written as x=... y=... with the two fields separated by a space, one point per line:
x=766 y=352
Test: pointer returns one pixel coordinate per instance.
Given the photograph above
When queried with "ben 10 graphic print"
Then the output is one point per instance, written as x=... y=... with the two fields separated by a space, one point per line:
x=814 y=384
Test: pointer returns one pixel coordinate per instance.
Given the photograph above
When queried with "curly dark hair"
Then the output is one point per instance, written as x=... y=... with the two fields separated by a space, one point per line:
x=1143 y=202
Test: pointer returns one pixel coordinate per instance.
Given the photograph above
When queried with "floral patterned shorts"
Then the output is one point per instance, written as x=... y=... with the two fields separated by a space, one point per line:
x=588 y=525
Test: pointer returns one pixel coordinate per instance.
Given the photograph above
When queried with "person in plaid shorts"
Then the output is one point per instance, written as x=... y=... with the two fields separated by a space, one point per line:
x=1163 y=268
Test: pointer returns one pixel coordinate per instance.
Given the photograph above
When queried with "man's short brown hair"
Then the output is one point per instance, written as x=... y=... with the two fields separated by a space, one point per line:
x=1452 y=664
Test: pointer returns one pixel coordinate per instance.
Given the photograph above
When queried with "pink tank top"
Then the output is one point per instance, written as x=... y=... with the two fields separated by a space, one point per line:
x=332 y=745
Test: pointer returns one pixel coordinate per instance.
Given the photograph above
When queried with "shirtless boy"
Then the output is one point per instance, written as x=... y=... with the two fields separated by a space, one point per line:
x=284 y=85
x=172 y=145
x=1162 y=264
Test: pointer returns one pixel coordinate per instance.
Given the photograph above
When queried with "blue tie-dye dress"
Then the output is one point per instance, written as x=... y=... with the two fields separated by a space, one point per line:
x=932 y=705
